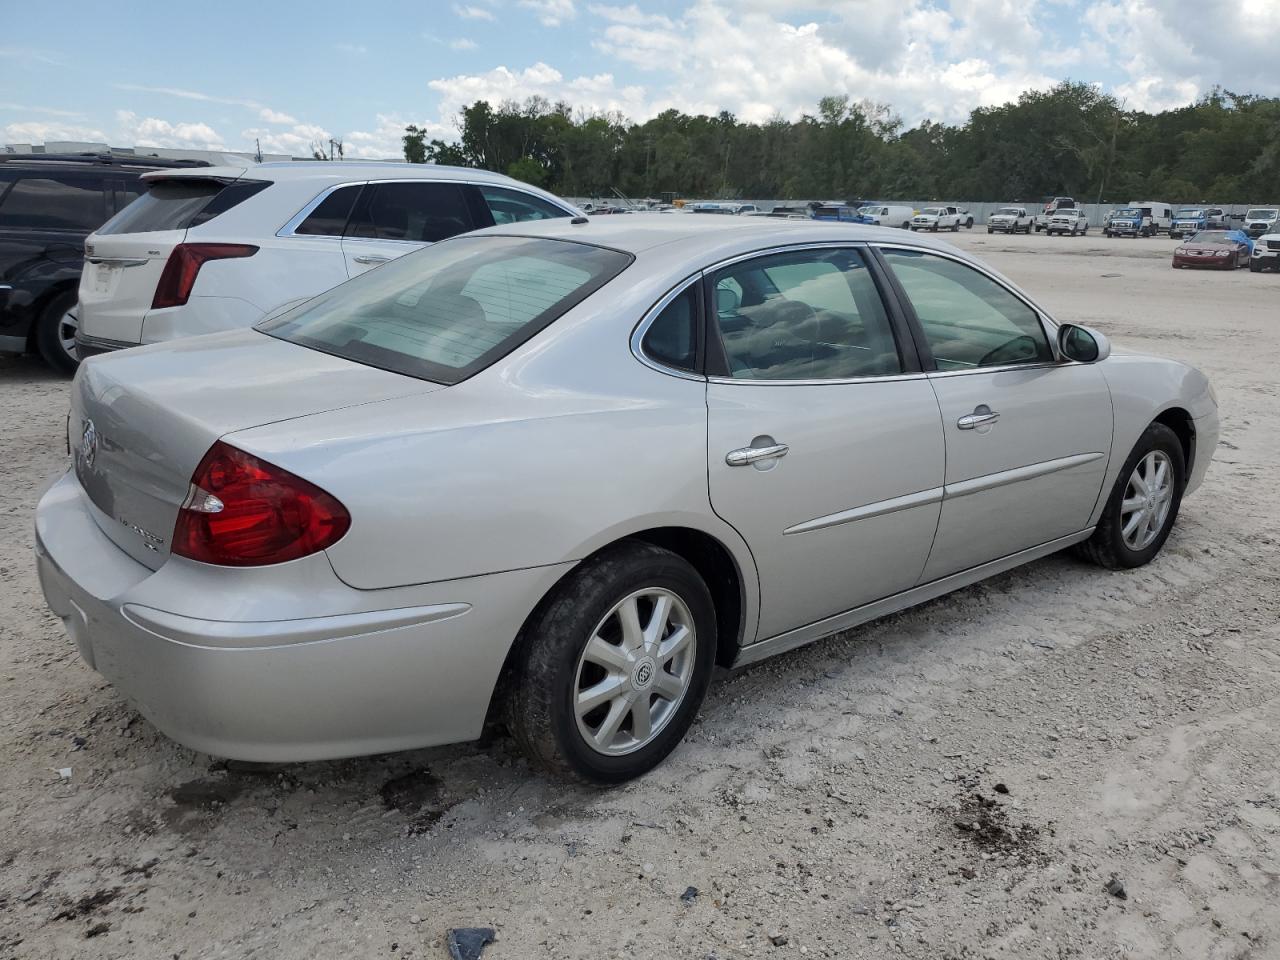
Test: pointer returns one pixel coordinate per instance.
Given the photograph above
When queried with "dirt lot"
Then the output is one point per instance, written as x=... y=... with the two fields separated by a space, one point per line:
x=959 y=781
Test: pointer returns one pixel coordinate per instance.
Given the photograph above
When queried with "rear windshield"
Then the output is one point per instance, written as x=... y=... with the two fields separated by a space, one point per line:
x=449 y=311
x=180 y=203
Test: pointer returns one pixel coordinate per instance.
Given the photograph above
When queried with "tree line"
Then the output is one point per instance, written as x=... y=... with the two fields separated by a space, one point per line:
x=1072 y=140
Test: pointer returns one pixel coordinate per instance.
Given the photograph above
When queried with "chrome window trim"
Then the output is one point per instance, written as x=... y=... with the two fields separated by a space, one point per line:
x=288 y=230
x=1047 y=323
x=641 y=328
x=793 y=248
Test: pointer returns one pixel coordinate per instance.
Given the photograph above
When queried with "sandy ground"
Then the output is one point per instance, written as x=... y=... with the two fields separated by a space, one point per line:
x=840 y=801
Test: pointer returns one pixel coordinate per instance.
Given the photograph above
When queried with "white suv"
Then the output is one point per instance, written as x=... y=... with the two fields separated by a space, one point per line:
x=216 y=248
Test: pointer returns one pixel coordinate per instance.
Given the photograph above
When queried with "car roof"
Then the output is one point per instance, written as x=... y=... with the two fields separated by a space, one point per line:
x=323 y=170
x=642 y=232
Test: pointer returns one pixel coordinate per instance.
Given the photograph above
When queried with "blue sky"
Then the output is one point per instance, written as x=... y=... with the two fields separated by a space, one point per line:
x=219 y=75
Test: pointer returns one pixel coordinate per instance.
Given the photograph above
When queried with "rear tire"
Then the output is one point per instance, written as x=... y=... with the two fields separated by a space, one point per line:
x=601 y=626
x=56 y=331
x=1114 y=545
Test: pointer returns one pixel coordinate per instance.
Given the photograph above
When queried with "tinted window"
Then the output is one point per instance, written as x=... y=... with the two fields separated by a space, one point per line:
x=421 y=212
x=444 y=313
x=968 y=318
x=329 y=218
x=167 y=205
x=46 y=203
x=672 y=338
x=512 y=206
x=814 y=315
x=128 y=191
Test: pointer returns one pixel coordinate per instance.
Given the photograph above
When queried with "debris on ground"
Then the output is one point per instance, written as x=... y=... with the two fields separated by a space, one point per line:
x=467 y=943
x=690 y=894
x=1116 y=888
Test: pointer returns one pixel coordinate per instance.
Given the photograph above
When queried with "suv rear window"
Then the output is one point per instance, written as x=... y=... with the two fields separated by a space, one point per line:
x=452 y=309
x=180 y=203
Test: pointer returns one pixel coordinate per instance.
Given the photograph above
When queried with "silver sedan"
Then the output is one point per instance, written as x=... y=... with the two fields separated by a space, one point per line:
x=554 y=473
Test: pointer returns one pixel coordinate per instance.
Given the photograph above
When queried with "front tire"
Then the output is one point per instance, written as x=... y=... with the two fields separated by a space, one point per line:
x=613 y=665
x=56 y=333
x=1143 y=504
x=1255 y=266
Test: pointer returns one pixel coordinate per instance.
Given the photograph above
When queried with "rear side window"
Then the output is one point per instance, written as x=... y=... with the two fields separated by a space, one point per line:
x=180 y=203
x=514 y=206
x=447 y=312
x=672 y=338
x=810 y=315
x=329 y=218
x=421 y=212
x=48 y=203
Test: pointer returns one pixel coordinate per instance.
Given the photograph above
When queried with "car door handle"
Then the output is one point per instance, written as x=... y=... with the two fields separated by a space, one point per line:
x=744 y=456
x=370 y=258
x=981 y=415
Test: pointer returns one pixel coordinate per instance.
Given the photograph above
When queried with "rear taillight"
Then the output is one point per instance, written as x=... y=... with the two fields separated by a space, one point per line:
x=184 y=265
x=241 y=511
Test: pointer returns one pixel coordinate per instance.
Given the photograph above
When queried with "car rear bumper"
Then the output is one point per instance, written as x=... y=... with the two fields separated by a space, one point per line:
x=302 y=679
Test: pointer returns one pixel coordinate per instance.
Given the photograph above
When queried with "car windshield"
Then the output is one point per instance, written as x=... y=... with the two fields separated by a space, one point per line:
x=1129 y=212
x=1261 y=214
x=451 y=310
x=1009 y=212
x=932 y=211
x=1190 y=214
x=1210 y=236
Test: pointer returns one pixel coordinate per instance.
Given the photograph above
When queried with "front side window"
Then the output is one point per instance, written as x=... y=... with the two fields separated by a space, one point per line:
x=809 y=315
x=447 y=312
x=515 y=206
x=49 y=203
x=418 y=212
x=969 y=320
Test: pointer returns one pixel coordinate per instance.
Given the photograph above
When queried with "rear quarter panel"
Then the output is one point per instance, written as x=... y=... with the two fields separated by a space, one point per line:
x=563 y=447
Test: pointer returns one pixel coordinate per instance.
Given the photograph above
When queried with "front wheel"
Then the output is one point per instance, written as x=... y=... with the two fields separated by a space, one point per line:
x=614 y=665
x=1255 y=266
x=1143 y=504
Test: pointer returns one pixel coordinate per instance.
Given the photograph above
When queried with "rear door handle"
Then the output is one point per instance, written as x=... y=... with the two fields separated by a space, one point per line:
x=370 y=258
x=744 y=456
x=982 y=414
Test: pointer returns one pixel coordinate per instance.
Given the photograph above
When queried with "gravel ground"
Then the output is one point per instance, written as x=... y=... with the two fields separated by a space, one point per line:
x=962 y=780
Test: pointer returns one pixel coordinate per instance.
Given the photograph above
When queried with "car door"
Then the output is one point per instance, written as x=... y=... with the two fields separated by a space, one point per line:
x=1027 y=436
x=395 y=217
x=825 y=446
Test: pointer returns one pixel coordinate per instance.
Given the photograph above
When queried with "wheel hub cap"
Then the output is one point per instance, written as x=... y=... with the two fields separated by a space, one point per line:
x=1148 y=497
x=634 y=671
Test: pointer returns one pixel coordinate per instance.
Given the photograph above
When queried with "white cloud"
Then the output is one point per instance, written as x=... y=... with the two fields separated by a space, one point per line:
x=472 y=12
x=43 y=111
x=43 y=131
x=384 y=141
x=297 y=141
x=275 y=116
x=593 y=93
x=155 y=132
x=551 y=13
x=462 y=43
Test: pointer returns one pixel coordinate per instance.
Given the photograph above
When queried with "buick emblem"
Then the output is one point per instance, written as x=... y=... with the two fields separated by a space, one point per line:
x=88 y=444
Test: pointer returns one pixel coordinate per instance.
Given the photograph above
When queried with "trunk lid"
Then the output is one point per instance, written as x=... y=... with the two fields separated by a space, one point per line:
x=125 y=257
x=142 y=420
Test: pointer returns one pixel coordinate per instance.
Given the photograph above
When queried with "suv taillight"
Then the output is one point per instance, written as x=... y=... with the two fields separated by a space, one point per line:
x=184 y=265
x=241 y=511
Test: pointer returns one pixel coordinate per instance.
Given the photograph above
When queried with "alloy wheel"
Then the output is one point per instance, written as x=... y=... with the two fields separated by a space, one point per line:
x=68 y=324
x=634 y=671
x=1147 y=499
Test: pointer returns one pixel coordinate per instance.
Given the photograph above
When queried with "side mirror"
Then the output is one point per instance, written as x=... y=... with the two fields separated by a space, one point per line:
x=1082 y=344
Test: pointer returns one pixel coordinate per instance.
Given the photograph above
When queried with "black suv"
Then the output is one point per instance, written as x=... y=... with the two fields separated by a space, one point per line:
x=49 y=203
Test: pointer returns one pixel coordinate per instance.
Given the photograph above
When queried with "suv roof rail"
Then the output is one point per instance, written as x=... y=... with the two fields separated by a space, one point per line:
x=102 y=159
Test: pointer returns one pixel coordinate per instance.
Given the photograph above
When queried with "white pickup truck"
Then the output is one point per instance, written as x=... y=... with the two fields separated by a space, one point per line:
x=1010 y=220
x=942 y=218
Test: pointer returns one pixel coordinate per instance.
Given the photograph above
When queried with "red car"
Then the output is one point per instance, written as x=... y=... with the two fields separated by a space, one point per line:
x=1219 y=249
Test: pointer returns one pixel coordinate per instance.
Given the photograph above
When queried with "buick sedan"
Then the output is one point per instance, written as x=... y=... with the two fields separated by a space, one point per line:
x=554 y=473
